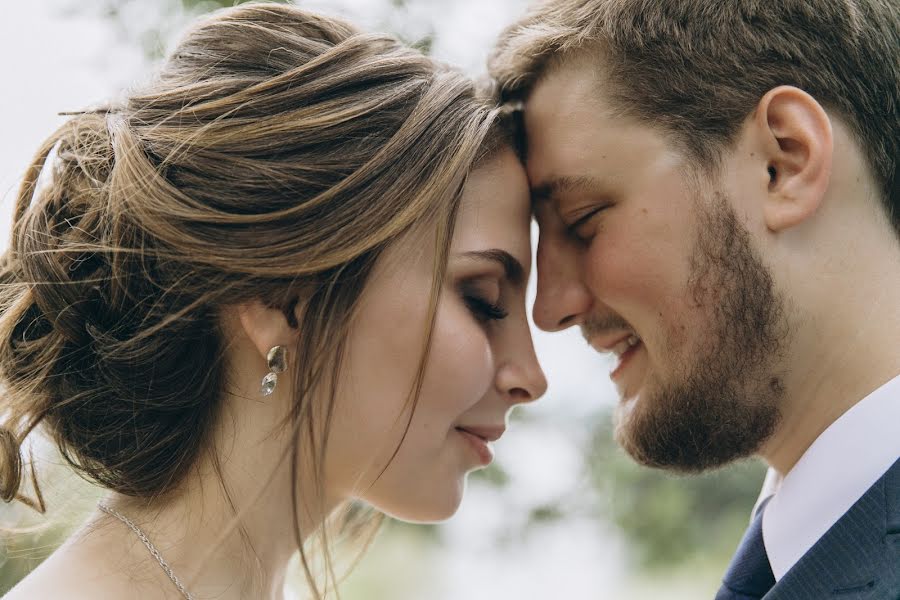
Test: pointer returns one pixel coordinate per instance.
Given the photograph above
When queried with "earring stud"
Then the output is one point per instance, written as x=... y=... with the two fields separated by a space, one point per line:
x=276 y=360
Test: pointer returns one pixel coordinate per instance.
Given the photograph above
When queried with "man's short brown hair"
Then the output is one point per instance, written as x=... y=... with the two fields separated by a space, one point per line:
x=697 y=68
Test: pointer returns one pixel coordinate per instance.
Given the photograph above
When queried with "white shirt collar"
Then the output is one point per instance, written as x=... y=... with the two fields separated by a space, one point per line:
x=836 y=470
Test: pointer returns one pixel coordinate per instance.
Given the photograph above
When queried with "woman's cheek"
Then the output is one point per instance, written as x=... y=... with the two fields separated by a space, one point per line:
x=460 y=368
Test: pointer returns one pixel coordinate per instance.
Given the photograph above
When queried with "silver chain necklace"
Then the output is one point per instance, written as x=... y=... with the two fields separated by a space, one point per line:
x=153 y=551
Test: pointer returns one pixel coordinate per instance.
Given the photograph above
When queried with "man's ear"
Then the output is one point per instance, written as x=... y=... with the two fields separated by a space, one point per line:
x=797 y=141
x=266 y=326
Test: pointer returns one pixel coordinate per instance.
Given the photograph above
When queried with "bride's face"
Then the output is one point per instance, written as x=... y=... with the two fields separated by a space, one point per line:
x=481 y=363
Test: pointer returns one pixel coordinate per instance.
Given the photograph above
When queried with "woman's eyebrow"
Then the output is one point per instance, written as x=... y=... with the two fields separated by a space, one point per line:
x=512 y=268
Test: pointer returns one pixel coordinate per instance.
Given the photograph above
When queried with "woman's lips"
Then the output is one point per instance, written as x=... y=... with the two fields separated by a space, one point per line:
x=489 y=433
x=479 y=440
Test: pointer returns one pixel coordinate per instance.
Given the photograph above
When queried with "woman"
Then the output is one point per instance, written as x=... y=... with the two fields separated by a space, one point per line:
x=286 y=277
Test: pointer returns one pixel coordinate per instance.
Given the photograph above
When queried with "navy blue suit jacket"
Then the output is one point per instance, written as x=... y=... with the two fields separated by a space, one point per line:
x=859 y=557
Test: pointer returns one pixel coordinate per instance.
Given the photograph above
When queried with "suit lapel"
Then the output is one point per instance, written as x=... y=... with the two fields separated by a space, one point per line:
x=859 y=557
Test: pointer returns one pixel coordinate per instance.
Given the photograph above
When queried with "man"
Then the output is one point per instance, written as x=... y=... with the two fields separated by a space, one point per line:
x=717 y=192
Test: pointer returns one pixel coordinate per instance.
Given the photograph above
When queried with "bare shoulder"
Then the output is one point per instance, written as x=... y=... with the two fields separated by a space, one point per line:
x=76 y=575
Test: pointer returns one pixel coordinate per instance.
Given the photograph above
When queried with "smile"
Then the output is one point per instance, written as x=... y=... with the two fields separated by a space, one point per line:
x=625 y=351
x=625 y=345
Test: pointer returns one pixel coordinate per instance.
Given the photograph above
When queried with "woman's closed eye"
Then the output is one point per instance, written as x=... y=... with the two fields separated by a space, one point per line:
x=483 y=309
x=483 y=299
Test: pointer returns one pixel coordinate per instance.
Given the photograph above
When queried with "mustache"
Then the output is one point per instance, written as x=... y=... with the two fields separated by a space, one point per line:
x=596 y=324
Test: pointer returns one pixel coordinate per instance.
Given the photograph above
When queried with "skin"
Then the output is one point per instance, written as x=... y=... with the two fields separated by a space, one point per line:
x=799 y=189
x=478 y=370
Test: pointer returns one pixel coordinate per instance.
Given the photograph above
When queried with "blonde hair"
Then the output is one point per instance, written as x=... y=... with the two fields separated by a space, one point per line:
x=275 y=156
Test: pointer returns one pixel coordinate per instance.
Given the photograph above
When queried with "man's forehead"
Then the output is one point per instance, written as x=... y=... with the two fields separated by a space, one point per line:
x=567 y=157
x=582 y=70
x=560 y=95
x=550 y=191
x=564 y=116
x=552 y=187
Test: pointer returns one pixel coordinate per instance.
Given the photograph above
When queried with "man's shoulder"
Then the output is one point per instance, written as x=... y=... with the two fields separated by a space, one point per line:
x=858 y=558
x=892 y=501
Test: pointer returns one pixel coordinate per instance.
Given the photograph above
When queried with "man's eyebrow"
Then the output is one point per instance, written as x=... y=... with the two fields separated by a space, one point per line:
x=512 y=268
x=550 y=190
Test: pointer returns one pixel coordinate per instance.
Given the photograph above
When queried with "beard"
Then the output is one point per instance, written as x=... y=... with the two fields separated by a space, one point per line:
x=722 y=402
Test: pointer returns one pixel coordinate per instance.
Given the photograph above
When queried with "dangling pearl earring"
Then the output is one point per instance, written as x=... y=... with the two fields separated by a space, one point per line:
x=277 y=361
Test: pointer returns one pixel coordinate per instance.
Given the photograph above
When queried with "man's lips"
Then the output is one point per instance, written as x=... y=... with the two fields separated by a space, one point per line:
x=623 y=344
x=616 y=343
x=625 y=357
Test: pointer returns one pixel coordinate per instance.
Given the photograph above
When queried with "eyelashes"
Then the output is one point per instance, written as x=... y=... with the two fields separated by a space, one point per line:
x=483 y=309
x=575 y=229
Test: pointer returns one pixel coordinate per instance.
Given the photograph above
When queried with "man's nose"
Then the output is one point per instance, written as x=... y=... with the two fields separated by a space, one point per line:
x=562 y=298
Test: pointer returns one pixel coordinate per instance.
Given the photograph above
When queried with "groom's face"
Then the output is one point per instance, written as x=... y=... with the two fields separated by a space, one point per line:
x=656 y=268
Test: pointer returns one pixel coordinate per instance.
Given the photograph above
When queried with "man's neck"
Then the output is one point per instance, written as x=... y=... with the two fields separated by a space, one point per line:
x=841 y=354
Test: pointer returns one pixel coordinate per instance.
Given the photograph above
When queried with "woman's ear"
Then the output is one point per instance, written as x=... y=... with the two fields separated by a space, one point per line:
x=266 y=326
x=796 y=138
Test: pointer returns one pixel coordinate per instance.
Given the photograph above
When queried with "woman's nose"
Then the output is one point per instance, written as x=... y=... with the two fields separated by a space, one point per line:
x=521 y=378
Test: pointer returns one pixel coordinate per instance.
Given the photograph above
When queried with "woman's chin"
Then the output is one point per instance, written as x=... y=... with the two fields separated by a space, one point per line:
x=432 y=507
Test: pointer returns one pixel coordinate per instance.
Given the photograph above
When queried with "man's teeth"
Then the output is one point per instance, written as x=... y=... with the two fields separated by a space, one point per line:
x=622 y=347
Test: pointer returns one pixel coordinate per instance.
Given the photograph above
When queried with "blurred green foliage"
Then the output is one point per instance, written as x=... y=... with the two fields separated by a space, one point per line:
x=670 y=519
x=202 y=6
x=20 y=553
x=153 y=37
x=27 y=537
